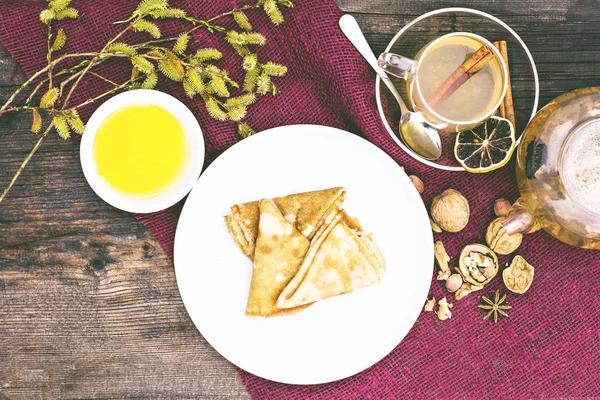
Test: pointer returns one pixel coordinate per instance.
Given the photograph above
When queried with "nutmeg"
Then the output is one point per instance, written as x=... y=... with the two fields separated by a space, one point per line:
x=418 y=183
x=499 y=240
x=450 y=210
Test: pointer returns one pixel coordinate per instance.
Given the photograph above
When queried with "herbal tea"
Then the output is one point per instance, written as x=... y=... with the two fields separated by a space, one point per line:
x=580 y=166
x=475 y=97
x=141 y=150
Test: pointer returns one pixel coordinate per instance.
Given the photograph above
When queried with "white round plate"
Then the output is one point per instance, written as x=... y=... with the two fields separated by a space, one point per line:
x=336 y=337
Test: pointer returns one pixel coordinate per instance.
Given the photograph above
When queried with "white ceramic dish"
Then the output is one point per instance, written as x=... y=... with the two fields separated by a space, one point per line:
x=138 y=204
x=337 y=337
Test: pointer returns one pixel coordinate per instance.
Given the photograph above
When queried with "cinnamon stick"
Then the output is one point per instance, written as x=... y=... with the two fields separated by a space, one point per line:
x=462 y=74
x=507 y=108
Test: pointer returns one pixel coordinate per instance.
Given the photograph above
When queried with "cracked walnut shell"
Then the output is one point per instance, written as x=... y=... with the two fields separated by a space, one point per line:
x=499 y=240
x=465 y=289
x=518 y=276
x=450 y=210
x=478 y=264
x=442 y=259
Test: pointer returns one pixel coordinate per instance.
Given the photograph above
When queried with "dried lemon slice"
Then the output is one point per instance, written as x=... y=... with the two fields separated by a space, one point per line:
x=487 y=146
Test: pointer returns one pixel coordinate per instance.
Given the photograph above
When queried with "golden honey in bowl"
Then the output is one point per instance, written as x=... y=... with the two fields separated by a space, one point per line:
x=141 y=150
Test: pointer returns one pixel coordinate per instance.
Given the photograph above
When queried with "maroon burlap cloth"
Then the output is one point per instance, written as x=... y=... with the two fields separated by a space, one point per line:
x=550 y=344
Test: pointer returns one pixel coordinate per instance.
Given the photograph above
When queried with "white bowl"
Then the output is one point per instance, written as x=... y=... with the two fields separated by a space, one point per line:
x=126 y=201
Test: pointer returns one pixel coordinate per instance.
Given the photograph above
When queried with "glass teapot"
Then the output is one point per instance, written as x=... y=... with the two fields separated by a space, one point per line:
x=558 y=171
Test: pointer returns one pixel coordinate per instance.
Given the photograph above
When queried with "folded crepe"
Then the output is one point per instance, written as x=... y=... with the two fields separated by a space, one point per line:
x=306 y=211
x=280 y=249
x=341 y=259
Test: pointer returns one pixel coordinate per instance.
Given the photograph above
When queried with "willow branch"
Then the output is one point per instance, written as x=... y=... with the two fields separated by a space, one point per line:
x=228 y=13
x=103 y=78
x=49 y=55
x=35 y=90
x=121 y=33
x=24 y=108
x=70 y=70
x=40 y=72
x=115 y=89
x=201 y=22
x=25 y=161
x=105 y=57
x=150 y=43
x=93 y=61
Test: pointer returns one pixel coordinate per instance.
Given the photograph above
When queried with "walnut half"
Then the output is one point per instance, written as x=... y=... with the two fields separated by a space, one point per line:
x=518 y=276
x=466 y=289
x=499 y=240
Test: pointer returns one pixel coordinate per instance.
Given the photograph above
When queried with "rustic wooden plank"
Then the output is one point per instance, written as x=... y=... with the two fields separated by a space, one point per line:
x=554 y=10
x=89 y=305
x=10 y=74
x=99 y=315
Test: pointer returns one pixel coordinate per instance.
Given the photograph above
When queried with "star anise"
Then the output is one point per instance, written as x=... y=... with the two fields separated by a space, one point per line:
x=495 y=307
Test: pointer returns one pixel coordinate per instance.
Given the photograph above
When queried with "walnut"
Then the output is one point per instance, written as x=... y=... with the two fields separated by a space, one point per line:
x=478 y=264
x=429 y=304
x=442 y=258
x=518 y=276
x=499 y=240
x=454 y=282
x=466 y=289
x=443 y=311
x=450 y=210
x=418 y=183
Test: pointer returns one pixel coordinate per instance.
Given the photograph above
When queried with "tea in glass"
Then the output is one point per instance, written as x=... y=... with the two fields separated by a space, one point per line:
x=456 y=81
x=473 y=99
x=580 y=165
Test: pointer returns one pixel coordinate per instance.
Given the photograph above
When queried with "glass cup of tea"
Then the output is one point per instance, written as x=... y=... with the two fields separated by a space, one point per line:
x=475 y=97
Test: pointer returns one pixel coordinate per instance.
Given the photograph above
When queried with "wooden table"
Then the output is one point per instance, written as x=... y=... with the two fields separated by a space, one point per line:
x=89 y=306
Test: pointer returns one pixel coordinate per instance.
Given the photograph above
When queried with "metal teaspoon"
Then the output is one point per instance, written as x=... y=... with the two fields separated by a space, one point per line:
x=420 y=136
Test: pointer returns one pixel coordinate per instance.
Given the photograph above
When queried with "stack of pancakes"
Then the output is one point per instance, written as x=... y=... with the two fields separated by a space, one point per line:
x=305 y=248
